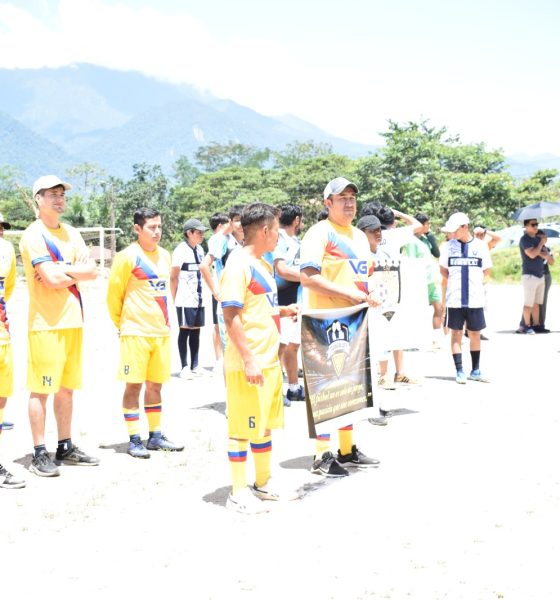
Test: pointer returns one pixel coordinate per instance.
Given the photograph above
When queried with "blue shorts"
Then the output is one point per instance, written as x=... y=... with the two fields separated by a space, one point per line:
x=190 y=317
x=473 y=317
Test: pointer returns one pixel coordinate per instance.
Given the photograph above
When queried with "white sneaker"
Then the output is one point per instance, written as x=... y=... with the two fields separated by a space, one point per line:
x=275 y=491
x=246 y=502
x=198 y=372
x=186 y=373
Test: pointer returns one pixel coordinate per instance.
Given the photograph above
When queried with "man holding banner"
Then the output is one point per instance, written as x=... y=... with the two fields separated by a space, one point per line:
x=334 y=264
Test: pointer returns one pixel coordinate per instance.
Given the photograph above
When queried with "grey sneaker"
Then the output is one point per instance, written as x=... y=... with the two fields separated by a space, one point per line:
x=8 y=481
x=357 y=458
x=75 y=456
x=43 y=466
x=328 y=466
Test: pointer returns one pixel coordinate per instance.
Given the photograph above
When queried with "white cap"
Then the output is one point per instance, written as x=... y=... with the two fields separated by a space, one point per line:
x=46 y=182
x=337 y=186
x=455 y=221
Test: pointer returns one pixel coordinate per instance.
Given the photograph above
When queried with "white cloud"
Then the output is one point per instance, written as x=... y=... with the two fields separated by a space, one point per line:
x=347 y=90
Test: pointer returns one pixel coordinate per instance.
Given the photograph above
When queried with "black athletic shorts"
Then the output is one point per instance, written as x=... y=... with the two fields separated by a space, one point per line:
x=473 y=317
x=190 y=317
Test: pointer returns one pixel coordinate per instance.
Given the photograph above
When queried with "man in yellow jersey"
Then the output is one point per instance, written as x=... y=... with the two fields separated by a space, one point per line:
x=137 y=299
x=334 y=263
x=7 y=284
x=55 y=259
x=252 y=367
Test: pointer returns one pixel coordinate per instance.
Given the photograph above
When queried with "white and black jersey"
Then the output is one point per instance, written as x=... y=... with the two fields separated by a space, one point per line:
x=466 y=263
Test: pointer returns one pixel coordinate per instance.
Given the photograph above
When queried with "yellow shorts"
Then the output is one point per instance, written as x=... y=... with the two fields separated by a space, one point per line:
x=6 y=371
x=252 y=408
x=54 y=360
x=145 y=359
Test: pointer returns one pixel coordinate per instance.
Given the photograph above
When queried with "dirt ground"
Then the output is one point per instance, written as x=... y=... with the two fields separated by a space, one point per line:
x=464 y=505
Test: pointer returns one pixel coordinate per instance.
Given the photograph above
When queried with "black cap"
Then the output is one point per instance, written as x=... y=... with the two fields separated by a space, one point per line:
x=368 y=222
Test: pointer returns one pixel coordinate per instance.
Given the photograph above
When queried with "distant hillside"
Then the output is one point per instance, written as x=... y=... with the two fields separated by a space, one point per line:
x=522 y=165
x=29 y=152
x=119 y=118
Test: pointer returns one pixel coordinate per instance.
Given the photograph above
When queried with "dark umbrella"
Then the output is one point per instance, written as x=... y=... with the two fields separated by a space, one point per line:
x=539 y=211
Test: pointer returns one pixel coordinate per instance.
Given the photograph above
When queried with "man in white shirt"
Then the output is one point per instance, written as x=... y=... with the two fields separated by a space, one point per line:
x=186 y=291
x=464 y=264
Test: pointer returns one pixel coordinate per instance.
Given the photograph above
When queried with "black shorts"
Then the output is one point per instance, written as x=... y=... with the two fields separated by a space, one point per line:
x=190 y=317
x=214 y=311
x=473 y=317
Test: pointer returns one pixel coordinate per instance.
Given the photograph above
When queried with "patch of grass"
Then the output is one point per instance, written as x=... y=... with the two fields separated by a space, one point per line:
x=506 y=266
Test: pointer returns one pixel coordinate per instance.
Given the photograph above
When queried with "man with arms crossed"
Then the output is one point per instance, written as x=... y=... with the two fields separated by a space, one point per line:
x=137 y=296
x=328 y=250
x=55 y=259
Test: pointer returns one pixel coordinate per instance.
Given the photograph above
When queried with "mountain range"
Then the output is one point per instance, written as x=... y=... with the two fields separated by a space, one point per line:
x=52 y=119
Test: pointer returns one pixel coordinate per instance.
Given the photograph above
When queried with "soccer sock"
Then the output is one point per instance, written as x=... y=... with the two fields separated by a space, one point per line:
x=64 y=446
x=153 y=414
x=1 y=419
x=182 y=345
x=262 y=454
x=40 y=448
x=345 y=439
x=322 y=444
x=194 y=345
x=132 y=419
x=458 y=360
x=475 y=357
x=237 y=454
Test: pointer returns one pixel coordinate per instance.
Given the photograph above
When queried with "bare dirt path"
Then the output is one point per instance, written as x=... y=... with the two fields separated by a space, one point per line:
x=464 y=506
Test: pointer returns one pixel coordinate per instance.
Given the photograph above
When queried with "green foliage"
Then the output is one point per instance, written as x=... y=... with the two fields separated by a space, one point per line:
x=421 y=168
x=221 y=156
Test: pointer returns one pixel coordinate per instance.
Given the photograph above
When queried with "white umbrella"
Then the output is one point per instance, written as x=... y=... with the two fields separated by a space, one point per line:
x=539 y=210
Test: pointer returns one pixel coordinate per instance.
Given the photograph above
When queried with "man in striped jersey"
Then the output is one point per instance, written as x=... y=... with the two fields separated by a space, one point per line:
x=464 y=264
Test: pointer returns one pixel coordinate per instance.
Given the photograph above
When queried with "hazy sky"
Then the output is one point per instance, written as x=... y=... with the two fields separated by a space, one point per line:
x=487 y=70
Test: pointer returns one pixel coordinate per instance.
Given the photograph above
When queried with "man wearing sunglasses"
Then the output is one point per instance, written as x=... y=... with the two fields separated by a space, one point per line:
x=531 y=246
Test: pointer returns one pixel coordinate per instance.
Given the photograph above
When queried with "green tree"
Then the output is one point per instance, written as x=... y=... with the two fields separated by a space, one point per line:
x=297 y=152
x=214 y=156
x=86 y=178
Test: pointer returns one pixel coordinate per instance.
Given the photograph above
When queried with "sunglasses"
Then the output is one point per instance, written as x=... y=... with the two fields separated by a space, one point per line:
x=533 y=224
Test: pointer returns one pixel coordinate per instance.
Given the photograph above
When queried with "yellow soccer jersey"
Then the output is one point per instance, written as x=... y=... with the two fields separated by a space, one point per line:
x=248 y=283
x=48 y=308
x=7 y=284
x=137 y=293
x=341 y=255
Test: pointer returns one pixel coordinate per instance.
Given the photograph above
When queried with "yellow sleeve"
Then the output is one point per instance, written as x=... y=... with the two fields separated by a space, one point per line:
x=116 y=286
x=10 y=281
x=312 y=248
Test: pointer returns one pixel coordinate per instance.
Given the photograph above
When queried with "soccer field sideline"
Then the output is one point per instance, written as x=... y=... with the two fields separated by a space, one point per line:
x=468 y=480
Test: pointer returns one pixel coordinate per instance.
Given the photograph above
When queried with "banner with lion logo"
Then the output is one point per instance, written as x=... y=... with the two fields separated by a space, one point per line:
x=336 y=366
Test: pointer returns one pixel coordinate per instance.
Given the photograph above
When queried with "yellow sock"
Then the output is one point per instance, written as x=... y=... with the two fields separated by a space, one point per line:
x=153 y=414
x=131 y=417
x=345 y=439
x=322 y=444
x=237 y=454
x=262 y=453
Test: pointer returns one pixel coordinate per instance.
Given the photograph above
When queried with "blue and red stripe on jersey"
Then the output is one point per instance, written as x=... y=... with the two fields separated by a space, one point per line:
x=144 y=272
x=56 y=256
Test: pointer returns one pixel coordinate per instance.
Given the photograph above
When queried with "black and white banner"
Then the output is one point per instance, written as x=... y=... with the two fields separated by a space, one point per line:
x=336 y=365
